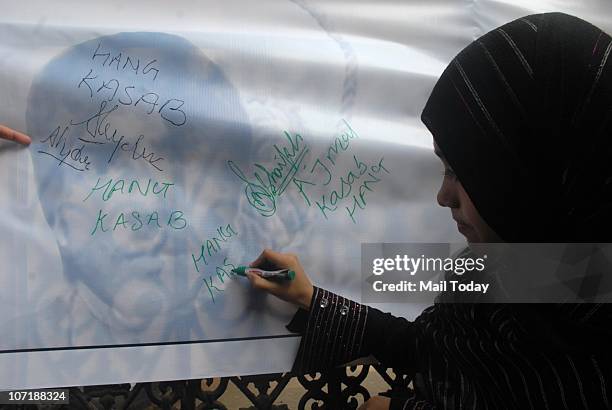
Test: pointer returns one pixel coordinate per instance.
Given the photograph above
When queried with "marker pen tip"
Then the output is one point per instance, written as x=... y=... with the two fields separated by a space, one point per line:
x=240 y=270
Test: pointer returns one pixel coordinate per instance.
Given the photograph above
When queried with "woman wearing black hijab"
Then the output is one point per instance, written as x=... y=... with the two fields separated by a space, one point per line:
x=521 y=120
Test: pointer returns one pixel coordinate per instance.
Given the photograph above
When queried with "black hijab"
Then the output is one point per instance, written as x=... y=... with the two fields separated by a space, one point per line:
x=522 y=115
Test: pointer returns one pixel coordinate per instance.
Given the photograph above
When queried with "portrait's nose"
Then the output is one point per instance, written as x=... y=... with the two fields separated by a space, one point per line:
x=447 y=194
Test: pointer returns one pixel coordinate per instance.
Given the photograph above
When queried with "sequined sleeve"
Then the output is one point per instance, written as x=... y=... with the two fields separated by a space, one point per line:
x=333 y=331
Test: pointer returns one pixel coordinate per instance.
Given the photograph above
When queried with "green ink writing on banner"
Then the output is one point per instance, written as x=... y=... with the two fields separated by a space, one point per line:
x=212 y=289
x=359 y=198
x=330 y=203
x=222 y=273
x=341 y=143
x=213 y=245
x=122 y=186
x=135 y=221
x=268 y=183
x=352 y=185
x=323 y=169
x=300 y=186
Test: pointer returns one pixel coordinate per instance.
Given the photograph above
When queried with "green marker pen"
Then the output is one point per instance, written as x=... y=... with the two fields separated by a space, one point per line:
x=281 y=274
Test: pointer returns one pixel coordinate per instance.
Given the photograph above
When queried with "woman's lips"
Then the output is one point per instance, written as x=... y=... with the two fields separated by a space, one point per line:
x=461 y=226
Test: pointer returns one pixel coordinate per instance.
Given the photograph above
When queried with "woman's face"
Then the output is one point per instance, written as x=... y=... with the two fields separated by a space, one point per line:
x=453 y=196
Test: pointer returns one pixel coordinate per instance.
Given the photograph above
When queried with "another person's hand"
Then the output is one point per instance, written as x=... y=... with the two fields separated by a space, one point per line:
x=376 y=403
x=297 y=291
x=12 y=135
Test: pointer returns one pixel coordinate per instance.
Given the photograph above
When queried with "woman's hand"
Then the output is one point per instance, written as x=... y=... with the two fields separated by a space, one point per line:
x=297 y=291
x=376 y=403
x=12 y=135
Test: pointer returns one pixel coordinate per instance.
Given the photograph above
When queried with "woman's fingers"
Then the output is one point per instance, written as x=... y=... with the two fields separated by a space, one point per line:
x=275 y=258
x=298 y=291
x=261 y=283
x=12 y=135
x=260 y=259
x=256 y=281
x=282 y=260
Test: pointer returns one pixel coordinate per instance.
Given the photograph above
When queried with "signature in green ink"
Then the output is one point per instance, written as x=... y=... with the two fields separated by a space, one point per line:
x=268 y=184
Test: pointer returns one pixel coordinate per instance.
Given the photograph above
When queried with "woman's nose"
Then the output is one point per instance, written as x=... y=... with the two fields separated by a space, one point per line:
x=447 y=195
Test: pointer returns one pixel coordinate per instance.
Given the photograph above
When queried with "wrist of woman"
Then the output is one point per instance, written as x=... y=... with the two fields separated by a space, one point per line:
x=306 y=300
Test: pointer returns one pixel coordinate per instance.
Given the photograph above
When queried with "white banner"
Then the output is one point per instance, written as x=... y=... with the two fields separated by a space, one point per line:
x=175 y=140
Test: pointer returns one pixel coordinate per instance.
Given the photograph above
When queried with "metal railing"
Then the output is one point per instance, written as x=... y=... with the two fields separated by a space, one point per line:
x=339 y=388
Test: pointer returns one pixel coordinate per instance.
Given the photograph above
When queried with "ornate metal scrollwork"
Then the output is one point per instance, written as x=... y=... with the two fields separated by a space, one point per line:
x=343 y=385
x=263 y=399
x=314 y=390
x=210 y=396
x=340 y=388
x=399 y=383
